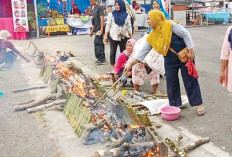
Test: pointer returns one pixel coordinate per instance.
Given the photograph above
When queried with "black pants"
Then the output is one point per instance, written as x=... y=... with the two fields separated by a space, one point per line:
x=99 y=48
x=190 y=83
x=132 y=25
x=113 y=48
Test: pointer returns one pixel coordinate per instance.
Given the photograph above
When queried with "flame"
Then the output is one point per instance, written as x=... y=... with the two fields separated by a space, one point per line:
x=133 y=127
x=149 y=153
x=64 y=70
x=79 y=90
x=93 y=92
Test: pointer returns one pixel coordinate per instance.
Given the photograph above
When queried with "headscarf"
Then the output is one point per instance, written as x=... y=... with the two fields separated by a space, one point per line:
x=160 y=37
x=162 y=8
x=132 y=41
x=120 y=16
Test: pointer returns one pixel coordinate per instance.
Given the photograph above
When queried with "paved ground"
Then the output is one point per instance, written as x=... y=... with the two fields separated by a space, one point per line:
x=22 y=135
x=216 y=123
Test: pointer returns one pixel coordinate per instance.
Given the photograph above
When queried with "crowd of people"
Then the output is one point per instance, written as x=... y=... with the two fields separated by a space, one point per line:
x=164 y=37
x=163 y=34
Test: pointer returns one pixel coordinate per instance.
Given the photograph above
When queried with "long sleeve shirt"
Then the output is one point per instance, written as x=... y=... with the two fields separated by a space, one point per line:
x=113 y=28
x=121 y=62
x=177 y=29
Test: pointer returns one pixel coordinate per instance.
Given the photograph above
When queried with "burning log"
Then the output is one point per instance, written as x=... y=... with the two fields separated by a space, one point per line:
x=118 y=152
x=36 y=103
x=120 y=141
x=27 y=89
x=196 y=144
x=39 y=108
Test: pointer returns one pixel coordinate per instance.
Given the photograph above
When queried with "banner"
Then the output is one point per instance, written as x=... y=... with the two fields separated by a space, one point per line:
x=19 y=12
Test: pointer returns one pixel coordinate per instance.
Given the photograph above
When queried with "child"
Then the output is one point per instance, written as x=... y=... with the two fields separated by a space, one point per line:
x=122 y=59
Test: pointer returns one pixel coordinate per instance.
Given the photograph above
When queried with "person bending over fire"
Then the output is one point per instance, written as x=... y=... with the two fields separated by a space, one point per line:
x=8 y=57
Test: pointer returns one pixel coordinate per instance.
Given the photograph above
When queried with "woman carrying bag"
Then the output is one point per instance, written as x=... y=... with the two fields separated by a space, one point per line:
x=118 y=27
x=173 y=41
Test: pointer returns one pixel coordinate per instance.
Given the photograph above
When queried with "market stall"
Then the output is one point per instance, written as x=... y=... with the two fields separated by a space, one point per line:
x=207 y=12
x=15 y=23
x=53 y=9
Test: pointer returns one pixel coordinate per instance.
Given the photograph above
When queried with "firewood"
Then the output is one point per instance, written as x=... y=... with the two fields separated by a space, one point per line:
x=178 y=139
x=119 y=151
x=30 y=88
x=39 y=108
x=36 y=103
x=120 y=141
x=196 y=144
x=26 y=102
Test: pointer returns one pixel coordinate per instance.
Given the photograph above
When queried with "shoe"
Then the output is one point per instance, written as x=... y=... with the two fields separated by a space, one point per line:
x=101 y=62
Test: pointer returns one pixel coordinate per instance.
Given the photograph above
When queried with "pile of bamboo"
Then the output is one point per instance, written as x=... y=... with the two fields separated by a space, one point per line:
x=77 y=114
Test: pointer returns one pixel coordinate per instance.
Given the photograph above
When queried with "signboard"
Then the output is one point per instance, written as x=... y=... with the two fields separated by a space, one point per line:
x=19 y=12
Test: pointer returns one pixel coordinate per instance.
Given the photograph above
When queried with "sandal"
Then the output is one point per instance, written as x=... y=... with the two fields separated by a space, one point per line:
x=200 y=110
x=159 y=94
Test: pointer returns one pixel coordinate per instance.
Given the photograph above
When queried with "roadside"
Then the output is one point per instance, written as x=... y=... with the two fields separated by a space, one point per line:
x=22 y=134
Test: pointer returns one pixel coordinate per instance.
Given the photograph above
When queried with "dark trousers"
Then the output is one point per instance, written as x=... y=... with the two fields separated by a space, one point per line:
x=113 y=48
x=8 y=58
x=190 y=83
x=132 y=25
x=99 y=48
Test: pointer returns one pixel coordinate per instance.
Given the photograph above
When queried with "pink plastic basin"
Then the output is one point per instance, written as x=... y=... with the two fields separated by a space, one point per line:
x=170 y=112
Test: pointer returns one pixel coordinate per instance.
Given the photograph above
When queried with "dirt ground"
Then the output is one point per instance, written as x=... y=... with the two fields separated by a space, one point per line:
x=27 y=137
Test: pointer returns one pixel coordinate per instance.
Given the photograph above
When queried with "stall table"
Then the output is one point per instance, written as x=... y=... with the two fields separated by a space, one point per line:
x=215 y=17
x=7 y=24
x=83 y=27
x=57 y=28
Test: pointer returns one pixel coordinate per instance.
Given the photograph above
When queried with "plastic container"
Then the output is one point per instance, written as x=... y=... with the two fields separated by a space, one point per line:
x=170 y=113
x=1 y=94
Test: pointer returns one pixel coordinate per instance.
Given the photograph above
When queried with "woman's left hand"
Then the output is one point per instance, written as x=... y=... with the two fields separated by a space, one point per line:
x=191 y=54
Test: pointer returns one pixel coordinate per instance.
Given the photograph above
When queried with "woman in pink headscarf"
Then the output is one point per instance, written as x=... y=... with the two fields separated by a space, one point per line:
x=123 y=58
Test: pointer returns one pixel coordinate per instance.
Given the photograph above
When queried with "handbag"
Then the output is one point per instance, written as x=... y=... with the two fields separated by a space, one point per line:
x=121 y=32
x=182 y=55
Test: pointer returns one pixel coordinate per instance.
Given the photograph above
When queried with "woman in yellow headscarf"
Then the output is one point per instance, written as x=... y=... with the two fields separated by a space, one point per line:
x=165 y=35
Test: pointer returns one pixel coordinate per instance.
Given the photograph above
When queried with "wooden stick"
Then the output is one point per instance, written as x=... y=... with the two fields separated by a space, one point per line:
x=109 y=89
x=26 y=102
x=196 y=144
x=39 y=108
x=36 y=103
x=30 y=88
x=120 y=151
x=178 y=139
x=120 y=141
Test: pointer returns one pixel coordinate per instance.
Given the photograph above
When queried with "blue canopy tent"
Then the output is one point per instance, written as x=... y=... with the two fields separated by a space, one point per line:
x=54 y=4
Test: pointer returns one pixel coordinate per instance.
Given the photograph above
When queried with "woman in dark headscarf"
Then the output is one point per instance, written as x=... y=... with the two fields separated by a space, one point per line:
x=119 y=29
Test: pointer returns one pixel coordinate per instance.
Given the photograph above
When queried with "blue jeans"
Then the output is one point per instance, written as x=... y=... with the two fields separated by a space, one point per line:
x=8 y=58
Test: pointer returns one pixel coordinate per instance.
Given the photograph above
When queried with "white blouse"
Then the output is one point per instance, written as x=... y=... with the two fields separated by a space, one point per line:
x=112 y=27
